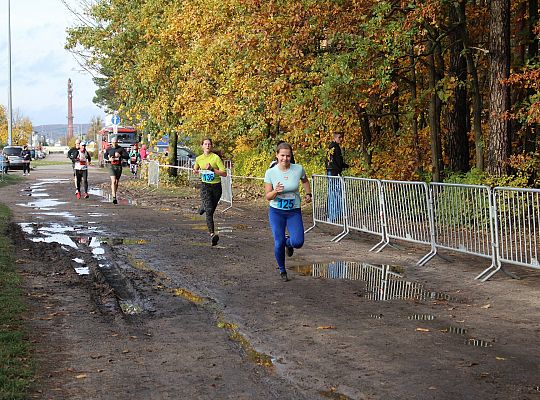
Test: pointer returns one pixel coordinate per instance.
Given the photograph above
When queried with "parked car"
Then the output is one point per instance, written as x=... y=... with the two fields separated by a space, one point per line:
x=4 y=163
x=185 y=157
x=14 y=155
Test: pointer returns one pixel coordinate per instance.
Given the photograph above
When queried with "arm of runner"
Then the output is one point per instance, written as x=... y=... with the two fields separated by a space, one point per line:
x=272 y=192
x=307 y=189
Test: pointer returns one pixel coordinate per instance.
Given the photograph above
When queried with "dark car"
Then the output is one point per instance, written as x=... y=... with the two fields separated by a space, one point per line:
x=185 y=157
x=4 y=163
x=14 y=155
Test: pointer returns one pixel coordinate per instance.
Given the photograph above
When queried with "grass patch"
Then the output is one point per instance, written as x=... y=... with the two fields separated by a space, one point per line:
x=9 y=179
x=16 y=371
x=43 y=162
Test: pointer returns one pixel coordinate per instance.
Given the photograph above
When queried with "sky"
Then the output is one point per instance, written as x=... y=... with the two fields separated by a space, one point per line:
x=40 y=67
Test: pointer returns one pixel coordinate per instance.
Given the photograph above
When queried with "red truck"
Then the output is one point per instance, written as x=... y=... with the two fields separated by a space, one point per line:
x=127 y=137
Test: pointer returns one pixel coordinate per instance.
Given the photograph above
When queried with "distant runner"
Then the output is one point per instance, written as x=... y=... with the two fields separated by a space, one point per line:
x=115 y=155
x=281 y=184
x=82 y=159
x=134 y=160
x=210 y=166
x=72 y=153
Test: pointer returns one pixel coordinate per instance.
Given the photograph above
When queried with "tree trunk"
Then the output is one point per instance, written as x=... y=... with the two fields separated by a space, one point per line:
x=435 y=112
x=475 y=88
x=365 y=144
x=499 y=106
x=457 y=143
x=414 y=111
x=531 y=130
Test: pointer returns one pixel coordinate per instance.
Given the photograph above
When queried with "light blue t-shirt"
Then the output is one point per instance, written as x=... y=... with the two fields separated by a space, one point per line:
x=290 y=197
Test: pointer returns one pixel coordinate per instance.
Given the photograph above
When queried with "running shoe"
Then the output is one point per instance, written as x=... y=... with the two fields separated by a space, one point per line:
x=284 y=277
x=215 y=239
x=201 y=210
x=114 y=201
x=78 y=195
x=86 y=195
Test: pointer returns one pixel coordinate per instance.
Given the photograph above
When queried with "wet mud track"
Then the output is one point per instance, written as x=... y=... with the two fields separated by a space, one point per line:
x=131 y=301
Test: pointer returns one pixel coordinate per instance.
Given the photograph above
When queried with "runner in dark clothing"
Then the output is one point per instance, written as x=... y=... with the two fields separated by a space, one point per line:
x=72 y=154
x=115 y=155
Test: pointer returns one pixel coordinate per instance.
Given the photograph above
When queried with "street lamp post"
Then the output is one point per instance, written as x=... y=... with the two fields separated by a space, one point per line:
x=10 y=111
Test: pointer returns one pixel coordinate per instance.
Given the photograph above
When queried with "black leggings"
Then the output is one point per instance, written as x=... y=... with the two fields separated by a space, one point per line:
x=82 y=175
x=210 y=195
x=26 y=168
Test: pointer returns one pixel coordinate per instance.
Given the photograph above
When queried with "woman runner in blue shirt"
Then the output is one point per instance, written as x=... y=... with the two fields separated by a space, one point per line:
x=281 y=184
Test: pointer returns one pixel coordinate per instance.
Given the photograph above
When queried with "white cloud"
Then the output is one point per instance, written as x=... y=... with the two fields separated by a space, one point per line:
x=41 y=66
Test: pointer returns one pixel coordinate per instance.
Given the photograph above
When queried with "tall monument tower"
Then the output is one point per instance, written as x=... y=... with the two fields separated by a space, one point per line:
x=70 y=111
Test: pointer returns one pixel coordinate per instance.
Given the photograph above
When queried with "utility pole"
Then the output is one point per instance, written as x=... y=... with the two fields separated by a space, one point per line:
x=10 y=108
x=70 y=111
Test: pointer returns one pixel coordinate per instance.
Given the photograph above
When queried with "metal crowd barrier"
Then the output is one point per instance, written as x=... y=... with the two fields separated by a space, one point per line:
x=227 y=193
x=408 y=215
x=328 y=203
x=364 y=206
x=517 y=228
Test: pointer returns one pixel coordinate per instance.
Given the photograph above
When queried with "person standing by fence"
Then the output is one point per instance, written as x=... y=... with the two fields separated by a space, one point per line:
x=334 y=167
x=281 y=184
x=210 y=166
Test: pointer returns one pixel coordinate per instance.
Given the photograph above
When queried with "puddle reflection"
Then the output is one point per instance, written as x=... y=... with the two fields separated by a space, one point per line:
x=383 y=282
x=478 y=343
x=43 y=203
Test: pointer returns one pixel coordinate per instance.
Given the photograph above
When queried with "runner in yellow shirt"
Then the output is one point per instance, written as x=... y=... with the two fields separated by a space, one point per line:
x=211 y=168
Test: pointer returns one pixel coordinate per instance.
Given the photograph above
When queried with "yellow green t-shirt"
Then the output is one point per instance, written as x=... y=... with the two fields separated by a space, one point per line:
x=215 y=162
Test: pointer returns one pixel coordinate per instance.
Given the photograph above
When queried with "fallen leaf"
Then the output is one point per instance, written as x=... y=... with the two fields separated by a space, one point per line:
x=500 y=358
x=422 y=330
x=326 y=327
x=432 y=388
x=487 y=306
x=125 y=351
x=80 y=376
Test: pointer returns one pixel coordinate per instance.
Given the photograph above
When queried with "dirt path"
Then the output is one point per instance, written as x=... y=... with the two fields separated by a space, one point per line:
x=163 y=315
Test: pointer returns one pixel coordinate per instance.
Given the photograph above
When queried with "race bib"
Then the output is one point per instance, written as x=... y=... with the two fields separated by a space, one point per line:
x=285 y=201
x=133 y=159
x=207 y=176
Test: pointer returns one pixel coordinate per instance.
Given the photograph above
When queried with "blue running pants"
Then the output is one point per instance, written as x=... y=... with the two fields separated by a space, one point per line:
x=292 y=220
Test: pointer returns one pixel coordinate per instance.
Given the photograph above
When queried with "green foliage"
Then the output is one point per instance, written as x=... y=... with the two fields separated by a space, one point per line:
x=15 y=371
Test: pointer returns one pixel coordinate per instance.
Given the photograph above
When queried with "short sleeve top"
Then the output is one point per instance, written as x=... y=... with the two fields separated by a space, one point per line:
x=215 y=162
x=290 y=197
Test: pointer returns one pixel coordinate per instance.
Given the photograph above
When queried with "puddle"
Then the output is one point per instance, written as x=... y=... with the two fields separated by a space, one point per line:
x=382 y=282
x=456 y=330
x=80 y=266
x=478 y=343
x=421 y=317
x=43 y=203
x=332 y=394
x=47 y=181
x=259 y=358
x=57 y=214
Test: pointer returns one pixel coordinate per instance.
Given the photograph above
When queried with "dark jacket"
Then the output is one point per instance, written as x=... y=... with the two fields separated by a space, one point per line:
x=72 y=154
x=334 y=160
x=26 y=155
x=109 y=155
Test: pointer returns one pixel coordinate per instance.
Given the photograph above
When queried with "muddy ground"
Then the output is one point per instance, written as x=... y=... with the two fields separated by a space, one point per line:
x=163 y=315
